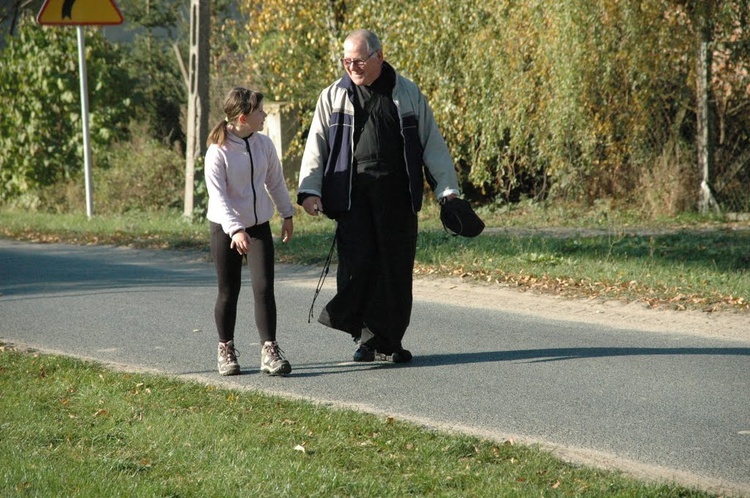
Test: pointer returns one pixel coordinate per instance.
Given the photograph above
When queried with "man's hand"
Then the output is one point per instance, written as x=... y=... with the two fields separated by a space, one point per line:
x=312 y=205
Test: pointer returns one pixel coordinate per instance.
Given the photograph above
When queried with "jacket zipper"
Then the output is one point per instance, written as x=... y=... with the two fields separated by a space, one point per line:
x=252 y=180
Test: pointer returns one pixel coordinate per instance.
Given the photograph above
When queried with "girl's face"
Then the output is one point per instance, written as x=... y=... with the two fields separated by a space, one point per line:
x=254 y=119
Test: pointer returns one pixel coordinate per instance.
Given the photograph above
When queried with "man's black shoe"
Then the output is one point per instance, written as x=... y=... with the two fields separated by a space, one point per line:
x=400 y=356
x=364 y=353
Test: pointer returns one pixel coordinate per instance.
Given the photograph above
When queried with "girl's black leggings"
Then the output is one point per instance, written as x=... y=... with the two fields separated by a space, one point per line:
x=229 y=272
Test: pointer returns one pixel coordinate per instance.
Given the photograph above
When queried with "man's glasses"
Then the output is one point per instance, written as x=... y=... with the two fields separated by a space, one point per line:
x=358 y=63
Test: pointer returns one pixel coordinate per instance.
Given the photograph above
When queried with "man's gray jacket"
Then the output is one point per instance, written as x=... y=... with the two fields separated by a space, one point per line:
x=327 y=163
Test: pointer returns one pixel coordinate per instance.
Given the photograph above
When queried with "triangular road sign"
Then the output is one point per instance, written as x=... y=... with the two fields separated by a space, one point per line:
x=78 y=12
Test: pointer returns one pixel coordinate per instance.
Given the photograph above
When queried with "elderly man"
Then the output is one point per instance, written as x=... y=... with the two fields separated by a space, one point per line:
x=371 y=135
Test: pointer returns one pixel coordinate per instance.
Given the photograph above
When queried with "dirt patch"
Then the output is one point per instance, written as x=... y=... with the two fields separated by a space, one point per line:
x=729 y=325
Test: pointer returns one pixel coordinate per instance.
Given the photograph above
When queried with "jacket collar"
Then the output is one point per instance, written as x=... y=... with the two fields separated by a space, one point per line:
x=231 y=137
x=387 y=72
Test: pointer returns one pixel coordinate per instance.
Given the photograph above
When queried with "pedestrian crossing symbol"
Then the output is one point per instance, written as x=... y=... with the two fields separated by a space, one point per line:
x=79 y=12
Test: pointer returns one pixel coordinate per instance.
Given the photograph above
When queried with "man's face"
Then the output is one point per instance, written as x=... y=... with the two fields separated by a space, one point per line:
x=362 y=67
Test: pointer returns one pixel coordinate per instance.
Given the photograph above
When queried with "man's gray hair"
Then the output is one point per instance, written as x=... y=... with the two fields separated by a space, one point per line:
x=370 y=38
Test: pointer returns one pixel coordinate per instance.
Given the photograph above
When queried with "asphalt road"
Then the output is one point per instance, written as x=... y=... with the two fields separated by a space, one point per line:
x=666 y=406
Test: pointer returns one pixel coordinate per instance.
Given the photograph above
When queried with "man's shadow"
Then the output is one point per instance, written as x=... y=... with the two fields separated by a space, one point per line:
x=562 y=354
x=523 y=355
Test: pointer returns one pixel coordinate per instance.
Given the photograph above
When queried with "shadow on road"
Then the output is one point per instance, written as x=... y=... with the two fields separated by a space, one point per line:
x=73 y=270
x=560 y=354
x=528 y=356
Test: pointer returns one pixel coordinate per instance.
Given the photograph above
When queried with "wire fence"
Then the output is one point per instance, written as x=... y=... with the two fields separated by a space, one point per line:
x=731 y=182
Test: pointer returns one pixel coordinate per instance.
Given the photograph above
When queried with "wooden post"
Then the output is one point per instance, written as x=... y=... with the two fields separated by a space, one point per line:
x=198 y=105
x=704 y=145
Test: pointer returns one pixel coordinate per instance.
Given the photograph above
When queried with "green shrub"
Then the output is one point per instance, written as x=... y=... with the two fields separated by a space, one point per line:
x=142 y=175
x=41 y=133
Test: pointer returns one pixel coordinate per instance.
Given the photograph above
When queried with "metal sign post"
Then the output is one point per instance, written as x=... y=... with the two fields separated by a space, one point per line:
x=79 y=13
x=85 y=119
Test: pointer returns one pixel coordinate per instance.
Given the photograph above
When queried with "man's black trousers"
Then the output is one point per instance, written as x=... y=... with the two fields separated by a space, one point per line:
x=376 y=244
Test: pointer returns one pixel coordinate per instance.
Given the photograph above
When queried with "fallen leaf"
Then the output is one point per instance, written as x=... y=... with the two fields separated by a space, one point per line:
x=301 y=448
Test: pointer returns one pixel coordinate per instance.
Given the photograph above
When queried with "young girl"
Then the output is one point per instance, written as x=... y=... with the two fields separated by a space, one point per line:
x=243 y=175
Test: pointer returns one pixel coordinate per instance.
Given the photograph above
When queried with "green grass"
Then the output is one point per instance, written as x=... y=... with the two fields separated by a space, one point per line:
x=74 y=428
x=682 y=263
x=684 y=270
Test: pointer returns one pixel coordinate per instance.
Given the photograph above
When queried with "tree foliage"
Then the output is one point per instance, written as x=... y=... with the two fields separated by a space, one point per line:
x=289 y=50
x=576 y=99
x=41 y=136
x=159 y=93
x=11 y=12
x=536 y=96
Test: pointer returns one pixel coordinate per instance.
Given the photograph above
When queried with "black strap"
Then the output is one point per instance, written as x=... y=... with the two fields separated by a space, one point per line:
x=322 y=278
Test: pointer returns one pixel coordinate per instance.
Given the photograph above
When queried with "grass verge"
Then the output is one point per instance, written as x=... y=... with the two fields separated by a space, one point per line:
x=75 y=428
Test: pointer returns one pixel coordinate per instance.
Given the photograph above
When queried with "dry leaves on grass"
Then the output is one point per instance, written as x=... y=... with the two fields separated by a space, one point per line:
x=581 y=288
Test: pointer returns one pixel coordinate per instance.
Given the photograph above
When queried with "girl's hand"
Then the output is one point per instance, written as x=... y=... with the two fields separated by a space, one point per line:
x=241 y=242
